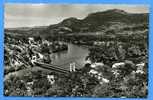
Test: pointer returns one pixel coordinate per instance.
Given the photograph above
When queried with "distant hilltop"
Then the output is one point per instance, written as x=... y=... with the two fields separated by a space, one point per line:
x=98 y=21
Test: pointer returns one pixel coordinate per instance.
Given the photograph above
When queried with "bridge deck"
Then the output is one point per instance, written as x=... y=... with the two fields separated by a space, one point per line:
x=53 y=67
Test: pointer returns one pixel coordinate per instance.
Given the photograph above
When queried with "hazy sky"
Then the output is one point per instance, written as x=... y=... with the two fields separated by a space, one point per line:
x=26 y=15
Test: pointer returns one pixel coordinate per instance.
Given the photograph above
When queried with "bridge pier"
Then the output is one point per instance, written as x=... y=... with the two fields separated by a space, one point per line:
x=72 y=67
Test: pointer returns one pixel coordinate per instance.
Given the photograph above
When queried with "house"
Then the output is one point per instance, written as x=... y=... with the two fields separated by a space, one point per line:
x=140 y=68
x=116 y=65
x=51 y=79
x=104 y=80
x=93 y=72
x=94 y=65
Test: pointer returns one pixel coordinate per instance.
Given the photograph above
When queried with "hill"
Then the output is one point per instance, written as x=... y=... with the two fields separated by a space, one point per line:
x=98 y=21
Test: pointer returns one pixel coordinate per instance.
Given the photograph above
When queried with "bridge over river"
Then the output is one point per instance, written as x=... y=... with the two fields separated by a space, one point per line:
x=61 y=60
x=57 y=68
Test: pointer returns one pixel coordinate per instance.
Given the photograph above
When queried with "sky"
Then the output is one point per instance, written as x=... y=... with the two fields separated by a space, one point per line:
x=28 y=15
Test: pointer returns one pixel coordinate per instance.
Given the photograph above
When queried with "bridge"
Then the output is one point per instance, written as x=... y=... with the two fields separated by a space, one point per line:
x=58 y=68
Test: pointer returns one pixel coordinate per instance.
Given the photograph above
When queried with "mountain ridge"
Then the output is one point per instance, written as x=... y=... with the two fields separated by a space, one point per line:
x=93 y=22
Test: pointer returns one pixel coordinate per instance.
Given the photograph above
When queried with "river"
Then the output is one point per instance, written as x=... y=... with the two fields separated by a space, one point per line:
x=74 y=53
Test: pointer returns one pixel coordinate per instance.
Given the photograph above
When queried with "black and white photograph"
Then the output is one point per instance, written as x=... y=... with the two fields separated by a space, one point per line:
x=76 y=50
